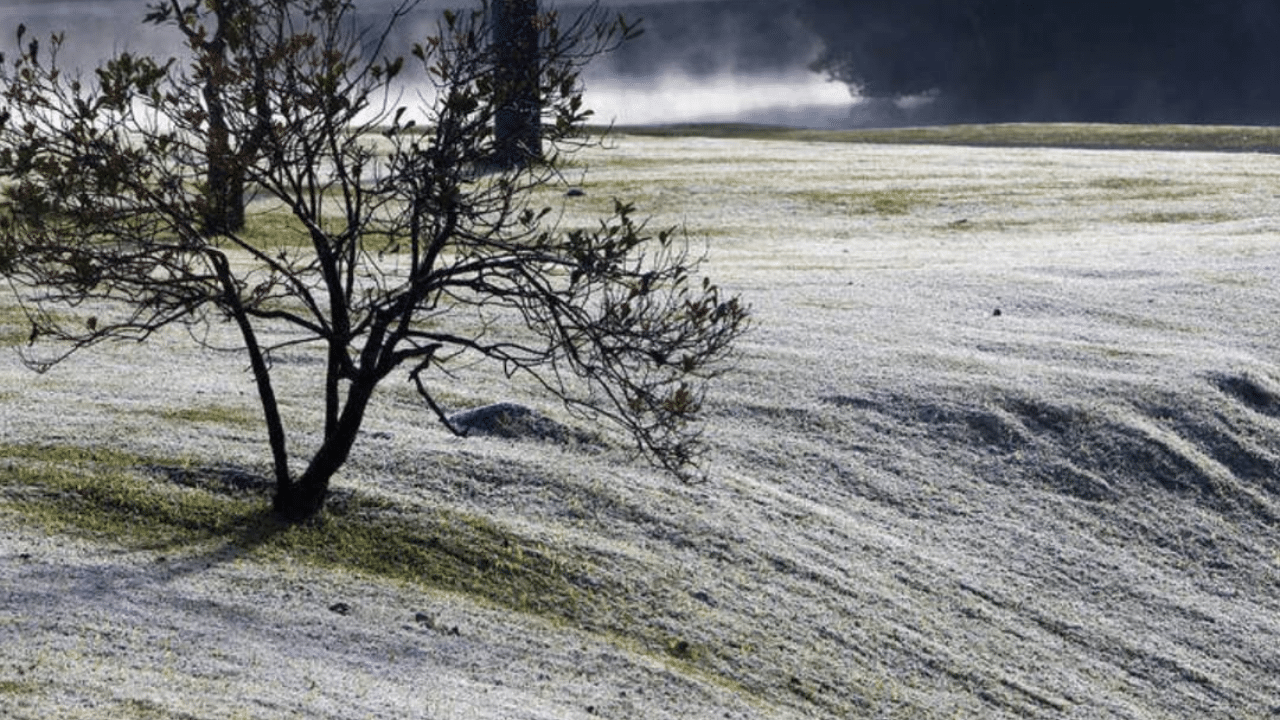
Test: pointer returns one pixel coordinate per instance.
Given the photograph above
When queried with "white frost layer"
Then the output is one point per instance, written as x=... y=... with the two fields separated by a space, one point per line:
x=918 y=508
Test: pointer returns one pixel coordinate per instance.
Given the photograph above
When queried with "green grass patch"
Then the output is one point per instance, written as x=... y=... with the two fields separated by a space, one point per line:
x=12 y=336
x=17 y=687
x=15 y=326
x=101 y=492
x=1148 y=188
x=70 y=455
x=185 y=510
x=1176 y=218
x=172 y=506
x=886 y=201
x=1127 y=184
x=896 y=201
x=274 y=229
x=212 y=414
x=1221 y=138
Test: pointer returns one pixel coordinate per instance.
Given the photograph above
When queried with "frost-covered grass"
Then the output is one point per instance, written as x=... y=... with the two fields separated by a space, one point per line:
x=919 y=507
x=1223 y=138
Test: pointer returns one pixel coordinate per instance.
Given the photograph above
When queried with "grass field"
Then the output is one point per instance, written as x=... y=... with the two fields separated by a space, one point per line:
x=1209 y=138
x=1004 y=443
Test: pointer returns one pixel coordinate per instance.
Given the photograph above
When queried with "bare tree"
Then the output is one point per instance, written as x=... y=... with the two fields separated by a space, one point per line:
x=409 y=250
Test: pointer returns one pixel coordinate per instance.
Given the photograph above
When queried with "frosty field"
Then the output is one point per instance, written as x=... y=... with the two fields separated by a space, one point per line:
x=1004 y=443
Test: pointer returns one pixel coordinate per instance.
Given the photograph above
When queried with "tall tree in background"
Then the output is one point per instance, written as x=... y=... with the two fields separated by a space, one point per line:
x=394 y=244
x=217 y=54
x=518 y=119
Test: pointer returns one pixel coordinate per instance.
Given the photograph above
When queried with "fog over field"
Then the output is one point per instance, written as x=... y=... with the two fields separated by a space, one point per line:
x=1003 y=443
x=697 y=60
x=894 y=62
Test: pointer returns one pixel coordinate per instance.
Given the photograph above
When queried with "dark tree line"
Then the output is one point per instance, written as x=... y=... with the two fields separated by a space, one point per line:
x=1086 y=60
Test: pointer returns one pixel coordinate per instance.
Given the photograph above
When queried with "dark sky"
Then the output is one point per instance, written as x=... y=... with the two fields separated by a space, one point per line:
x=974 y=60
x=1089 y=60
x=1195 y=61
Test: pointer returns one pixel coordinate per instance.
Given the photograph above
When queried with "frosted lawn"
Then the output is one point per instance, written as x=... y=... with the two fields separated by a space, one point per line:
x=921 y=507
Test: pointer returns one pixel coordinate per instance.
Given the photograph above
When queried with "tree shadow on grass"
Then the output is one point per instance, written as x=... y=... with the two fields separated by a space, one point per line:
x=221 y=478
x=230 y=519
x=233 y=513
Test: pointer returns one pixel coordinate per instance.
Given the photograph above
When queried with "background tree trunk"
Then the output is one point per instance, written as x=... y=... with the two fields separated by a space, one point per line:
x=224 y=196
x=224 y=209
x=518 y=115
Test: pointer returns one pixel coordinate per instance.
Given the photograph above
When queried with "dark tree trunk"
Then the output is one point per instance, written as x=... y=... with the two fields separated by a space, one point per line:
x=517 y=124
x=258 y=363
x=224 y=194
x=224 y=213
x=302 y=499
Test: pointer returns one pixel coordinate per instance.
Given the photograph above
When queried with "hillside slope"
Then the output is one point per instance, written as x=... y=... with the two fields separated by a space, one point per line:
x=1005 y=443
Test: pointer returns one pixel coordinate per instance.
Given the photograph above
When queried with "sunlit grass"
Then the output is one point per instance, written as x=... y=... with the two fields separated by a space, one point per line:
x=175 y=506
x=212 y=414
x=127 y=498
x=875 y=271
x=1176 y=217
x=15 y=328
x=99 y=492
x=1066 y=135
x=886 y=201
x=274 y=228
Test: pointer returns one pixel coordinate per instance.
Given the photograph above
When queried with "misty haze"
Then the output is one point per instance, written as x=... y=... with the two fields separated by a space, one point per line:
x=835 y=63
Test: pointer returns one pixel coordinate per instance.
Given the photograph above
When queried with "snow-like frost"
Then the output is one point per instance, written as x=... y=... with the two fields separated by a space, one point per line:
x=919 y=508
